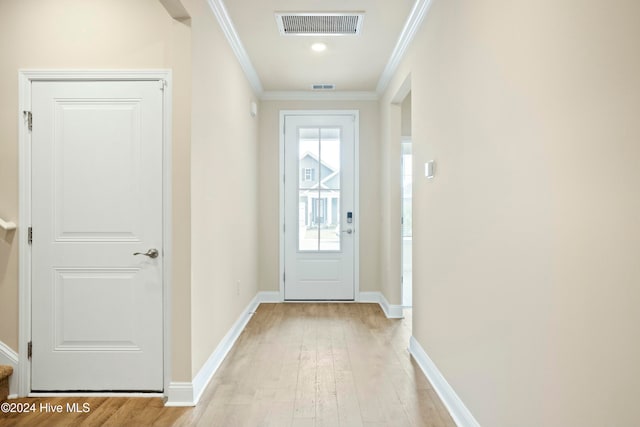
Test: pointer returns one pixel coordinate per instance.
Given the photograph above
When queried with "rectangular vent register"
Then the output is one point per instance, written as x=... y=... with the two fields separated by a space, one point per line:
x=313 y=24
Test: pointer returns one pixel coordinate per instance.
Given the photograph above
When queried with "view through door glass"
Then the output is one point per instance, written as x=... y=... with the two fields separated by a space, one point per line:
x=319 y=189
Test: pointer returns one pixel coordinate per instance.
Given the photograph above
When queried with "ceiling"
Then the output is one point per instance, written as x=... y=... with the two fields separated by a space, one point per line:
x=287 y=63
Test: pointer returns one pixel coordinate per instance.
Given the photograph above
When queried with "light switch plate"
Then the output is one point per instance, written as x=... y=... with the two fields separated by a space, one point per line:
x=429 y=169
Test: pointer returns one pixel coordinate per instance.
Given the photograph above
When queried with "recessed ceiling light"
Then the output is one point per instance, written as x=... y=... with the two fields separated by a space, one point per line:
x=318 y=47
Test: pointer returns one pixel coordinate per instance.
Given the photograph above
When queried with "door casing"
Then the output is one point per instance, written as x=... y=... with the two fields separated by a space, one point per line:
x=356 y=165
x=26 y=77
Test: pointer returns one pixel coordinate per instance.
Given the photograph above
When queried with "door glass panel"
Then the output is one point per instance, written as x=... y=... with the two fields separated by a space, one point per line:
x=330 y=152
x=330 y=231
x=308 y=228
x=319 y=189
x=309 y=156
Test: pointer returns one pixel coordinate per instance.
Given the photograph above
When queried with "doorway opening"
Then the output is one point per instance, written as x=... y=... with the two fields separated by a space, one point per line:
x=407 y=223
x=406 y=204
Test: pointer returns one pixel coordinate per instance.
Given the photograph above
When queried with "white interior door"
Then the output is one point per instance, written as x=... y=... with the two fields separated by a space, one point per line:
x=97 y=310
x=319 y=202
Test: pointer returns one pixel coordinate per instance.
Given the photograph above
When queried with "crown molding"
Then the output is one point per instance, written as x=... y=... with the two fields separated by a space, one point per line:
x=411 y=26
x=221 y=14
x=319 y=96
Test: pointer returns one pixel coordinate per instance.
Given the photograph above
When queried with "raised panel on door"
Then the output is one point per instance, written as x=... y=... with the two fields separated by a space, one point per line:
x=109 y=165
x=97 y=309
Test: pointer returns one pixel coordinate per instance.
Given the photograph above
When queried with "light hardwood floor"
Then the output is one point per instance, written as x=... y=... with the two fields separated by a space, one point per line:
x=295 y=365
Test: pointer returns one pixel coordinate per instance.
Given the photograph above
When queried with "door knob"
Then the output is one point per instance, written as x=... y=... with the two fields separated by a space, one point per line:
x=151 y=253
x=348 y=231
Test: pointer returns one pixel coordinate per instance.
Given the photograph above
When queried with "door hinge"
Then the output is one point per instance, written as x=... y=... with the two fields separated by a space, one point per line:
x=29 y=117
x=29 y=349
x=163 y=84
x=30 y=235
x=283 y=277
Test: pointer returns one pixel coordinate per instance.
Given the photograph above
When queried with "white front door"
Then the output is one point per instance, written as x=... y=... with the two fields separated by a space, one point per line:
x=97 y=312
x=319 y=204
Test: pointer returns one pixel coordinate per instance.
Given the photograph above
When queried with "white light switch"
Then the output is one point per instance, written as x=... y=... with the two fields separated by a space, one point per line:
x=429 y=169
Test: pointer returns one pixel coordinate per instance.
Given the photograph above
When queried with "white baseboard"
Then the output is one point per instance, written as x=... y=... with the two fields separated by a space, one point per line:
x=98 y=394
x=189 y=393
x=269 y=297
x=392 y=311
x=180 y=394
x=9 y=357
x=459 y=412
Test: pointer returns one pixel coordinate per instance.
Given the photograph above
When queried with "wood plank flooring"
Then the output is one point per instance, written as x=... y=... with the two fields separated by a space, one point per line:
x=295 y=365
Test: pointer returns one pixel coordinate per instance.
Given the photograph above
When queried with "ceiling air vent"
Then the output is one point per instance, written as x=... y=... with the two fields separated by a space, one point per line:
x=319 y=24
x=323 y=86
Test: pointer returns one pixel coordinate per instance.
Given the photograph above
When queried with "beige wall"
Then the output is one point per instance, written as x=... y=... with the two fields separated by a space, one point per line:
x=269 y=185
x=405 y=116
x=390 y=269
x=180 y=60
x=223 y=187
x=98 y=34
x=526 y=242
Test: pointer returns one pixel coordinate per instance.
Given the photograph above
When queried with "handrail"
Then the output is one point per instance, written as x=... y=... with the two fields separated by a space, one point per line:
x=7 y=226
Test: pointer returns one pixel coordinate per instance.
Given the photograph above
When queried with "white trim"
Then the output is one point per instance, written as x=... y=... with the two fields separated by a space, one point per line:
x=110 y=75
x=392 y=311
x=9 y=357
x=319 y=96
x=25 y=77
x=281 y=130
x=180 y=394
x=459 y=412
x=97 y=394
x=411 y=26
x=356 y=207
x=402 y=91
x=268 y=297
x=223 y=18
x=204 y=375
x=369 y=297
x=356 y=193
x=167 y=223
x=24 y=250
x=7 y=225
x=188 y=394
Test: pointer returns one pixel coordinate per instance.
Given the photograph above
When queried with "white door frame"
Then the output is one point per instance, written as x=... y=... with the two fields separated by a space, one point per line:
x=356 y=194
x=26 y=77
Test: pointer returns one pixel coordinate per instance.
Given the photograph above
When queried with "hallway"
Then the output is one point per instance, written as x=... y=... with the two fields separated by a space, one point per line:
x=294 y=365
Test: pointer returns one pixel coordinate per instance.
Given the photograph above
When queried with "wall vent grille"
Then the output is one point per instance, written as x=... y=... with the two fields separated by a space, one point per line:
x=323 y=24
